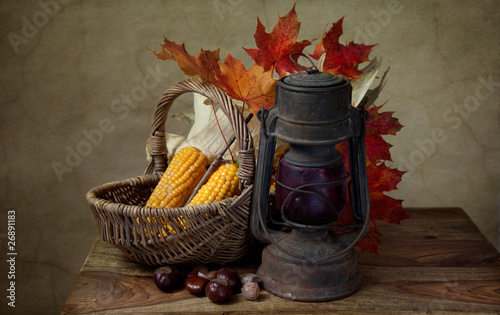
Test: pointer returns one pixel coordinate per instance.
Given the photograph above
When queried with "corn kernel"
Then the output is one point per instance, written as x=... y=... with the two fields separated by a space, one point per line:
x=222 y=184
x=179 y=179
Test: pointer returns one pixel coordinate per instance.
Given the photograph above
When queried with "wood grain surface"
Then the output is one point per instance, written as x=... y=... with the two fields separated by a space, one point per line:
x=436 y=262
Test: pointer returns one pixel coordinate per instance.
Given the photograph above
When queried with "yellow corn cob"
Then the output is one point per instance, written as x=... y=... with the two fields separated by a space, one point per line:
x=222 y=184
x=180 y=178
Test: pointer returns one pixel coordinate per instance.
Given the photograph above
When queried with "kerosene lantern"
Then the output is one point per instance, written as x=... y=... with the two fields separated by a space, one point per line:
x=304 y=259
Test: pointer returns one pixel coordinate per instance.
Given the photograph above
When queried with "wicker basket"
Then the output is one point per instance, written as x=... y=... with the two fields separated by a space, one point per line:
x=218 y=232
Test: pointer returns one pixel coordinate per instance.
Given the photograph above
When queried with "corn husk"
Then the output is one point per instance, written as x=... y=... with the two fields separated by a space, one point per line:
x=361 y=86
x=205 y=133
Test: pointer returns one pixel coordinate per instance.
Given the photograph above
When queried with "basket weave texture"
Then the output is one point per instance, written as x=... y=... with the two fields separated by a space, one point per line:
x=217 y=232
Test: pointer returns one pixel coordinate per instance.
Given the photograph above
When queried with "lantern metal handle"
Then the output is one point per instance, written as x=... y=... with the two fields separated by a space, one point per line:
x=357 y=159
x=262 y=184
x=311 y=70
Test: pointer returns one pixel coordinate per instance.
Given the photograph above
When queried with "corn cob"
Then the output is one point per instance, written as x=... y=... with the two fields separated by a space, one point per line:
x=181 y=176
x=222 y=184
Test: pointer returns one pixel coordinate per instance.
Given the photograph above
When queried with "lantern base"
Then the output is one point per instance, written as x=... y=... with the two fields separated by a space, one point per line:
x=329 y=275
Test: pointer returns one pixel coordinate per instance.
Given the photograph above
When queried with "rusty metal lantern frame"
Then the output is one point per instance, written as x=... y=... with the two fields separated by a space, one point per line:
x=309 y=262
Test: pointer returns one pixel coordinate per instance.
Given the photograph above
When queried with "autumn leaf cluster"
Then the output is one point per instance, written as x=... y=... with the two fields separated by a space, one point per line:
x=255 y=87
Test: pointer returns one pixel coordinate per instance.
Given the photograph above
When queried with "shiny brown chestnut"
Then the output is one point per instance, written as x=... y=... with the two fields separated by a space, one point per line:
x=218 y=290
x=168 y=278
x=196 y=281
x=231 y=276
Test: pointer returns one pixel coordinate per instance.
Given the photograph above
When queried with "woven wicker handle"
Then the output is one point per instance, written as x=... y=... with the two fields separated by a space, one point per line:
x=157 y=142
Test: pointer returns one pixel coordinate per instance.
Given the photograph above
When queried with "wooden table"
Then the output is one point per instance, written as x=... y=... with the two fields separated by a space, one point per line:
x=437 y=261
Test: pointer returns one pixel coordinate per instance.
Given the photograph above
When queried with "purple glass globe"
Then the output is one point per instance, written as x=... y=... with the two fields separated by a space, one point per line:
x=311 y=195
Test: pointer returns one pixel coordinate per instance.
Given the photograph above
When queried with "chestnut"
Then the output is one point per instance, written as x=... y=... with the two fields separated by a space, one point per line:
x=231 y=276
x=168 y=278
x=250 y=291
x=218 y=290
x=196 y=281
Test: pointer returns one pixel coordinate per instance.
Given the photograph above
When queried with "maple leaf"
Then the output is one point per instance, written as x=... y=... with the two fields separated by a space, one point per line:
x=274 y=48
x=381 y=178
x=341 y=59
x=254 y=86
x=382 y=123
x=205 y=66
x=379 y=124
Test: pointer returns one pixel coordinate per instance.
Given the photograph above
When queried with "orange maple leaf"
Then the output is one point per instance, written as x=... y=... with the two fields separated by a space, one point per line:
x=340 y=59
x=274 y=49
x=254 y=86
x=205 y=66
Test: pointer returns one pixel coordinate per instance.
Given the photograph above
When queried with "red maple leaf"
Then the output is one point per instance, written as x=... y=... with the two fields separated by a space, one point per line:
x=381 y=178
x=379 y=124
x=205 y=66
x=341 y=59
x=383 y=123
x=254 y=86
x=274 y=49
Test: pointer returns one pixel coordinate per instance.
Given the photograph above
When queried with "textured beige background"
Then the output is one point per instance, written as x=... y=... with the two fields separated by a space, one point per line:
x=81 y=69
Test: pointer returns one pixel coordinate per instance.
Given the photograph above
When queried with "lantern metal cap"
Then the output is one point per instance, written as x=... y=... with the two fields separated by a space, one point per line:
x=317 y=79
